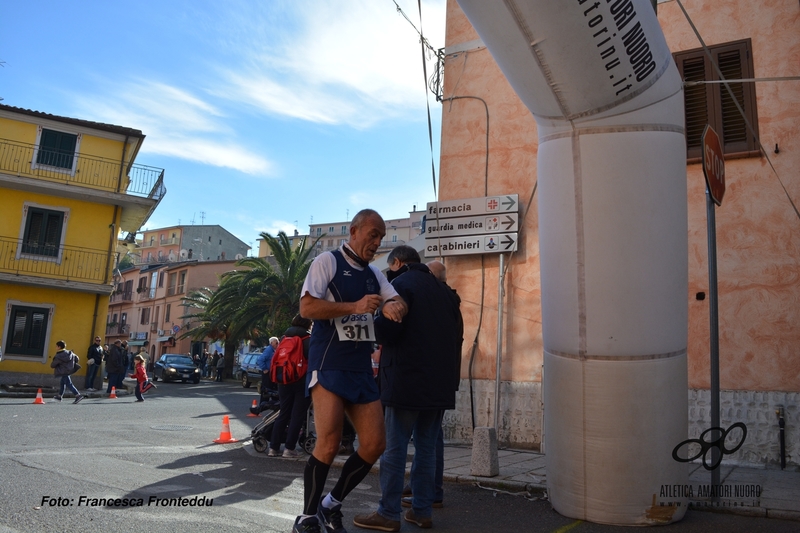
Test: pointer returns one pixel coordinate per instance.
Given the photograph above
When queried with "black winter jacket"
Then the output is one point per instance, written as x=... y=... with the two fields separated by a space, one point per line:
x=421 y=357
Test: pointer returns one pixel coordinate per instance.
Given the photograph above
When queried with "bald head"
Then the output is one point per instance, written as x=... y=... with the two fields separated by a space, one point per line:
x=438 y=269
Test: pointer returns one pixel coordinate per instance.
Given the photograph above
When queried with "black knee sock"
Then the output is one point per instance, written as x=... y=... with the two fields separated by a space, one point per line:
x=353 y=471
x=314 y=477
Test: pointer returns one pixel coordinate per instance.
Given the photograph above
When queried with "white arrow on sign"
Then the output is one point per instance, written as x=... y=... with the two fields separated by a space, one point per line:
x=475 y=244
x=482 y=224
x=504 y=203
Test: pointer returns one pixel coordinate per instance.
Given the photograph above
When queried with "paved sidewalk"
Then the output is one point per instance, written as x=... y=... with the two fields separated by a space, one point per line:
x=762 y=492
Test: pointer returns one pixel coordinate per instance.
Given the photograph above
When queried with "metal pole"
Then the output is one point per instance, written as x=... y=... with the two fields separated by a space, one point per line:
x=713 y=329
x=500 y=292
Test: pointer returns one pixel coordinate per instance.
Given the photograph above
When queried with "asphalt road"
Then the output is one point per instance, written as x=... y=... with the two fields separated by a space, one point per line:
x=59 y=461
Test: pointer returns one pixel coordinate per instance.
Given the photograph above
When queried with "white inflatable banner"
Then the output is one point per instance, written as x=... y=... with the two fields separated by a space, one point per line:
x=599 y=79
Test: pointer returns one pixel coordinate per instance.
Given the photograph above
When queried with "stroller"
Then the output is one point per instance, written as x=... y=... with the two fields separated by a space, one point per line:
x=262 y=433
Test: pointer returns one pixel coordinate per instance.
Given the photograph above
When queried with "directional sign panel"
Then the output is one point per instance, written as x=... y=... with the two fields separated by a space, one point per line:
x=493 y=205
x=481 y=224
x=475 y=244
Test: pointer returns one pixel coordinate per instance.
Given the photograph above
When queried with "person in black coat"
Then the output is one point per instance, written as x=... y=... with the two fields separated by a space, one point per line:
x=419 y=369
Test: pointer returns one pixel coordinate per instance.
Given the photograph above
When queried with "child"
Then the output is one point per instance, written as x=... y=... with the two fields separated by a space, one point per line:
x=140 y=374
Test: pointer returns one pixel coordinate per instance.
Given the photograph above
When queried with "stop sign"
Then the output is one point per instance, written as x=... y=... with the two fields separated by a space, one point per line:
x=713 y=164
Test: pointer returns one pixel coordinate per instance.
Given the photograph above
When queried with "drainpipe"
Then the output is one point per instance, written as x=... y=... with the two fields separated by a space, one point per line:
x=122 y=164
x=782 y=435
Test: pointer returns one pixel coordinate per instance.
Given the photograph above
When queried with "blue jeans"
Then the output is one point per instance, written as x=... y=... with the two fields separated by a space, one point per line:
x=91 y=372
x=401 y=424
x=66 y=383
x=439 y=479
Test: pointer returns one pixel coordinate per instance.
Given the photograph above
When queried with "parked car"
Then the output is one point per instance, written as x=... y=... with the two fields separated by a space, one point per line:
x=175 y=367
x=248 y=372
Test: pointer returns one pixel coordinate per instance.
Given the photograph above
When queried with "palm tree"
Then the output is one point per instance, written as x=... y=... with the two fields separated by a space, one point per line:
x=214 y=312
x=252 y=303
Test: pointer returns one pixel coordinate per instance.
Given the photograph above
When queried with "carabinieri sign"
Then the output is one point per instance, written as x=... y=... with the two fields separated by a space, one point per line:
x=472 y=226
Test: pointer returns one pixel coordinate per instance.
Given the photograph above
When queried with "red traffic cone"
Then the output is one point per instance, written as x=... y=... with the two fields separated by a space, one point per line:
x=39 y=398
x=113 y=392
x=253 y=409
x=225 y=434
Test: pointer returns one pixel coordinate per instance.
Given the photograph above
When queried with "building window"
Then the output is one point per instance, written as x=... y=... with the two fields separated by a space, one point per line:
x=167 y=312
x=43 y=232
x=172 y=280
x=27 y=330
x=319 y=232
x=712 y=104
x=160 y=280
x=394 y=238
x=123 y=322
x=57 y=149
x=189 y=254
x=181 y=281
x=344 y=230
x=145 y=317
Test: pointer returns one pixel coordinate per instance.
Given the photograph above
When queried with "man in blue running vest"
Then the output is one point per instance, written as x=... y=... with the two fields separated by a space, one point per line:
x=341 y=293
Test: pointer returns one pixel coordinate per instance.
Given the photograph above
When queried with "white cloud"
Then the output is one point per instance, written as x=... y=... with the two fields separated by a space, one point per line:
x=277 y=226
x=354 y=63
x=176 y=123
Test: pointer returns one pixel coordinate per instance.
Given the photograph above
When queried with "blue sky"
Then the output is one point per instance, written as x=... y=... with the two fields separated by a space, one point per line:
x=264 y=114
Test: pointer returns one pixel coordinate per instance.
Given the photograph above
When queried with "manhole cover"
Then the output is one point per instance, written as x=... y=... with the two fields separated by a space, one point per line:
x=171 y=427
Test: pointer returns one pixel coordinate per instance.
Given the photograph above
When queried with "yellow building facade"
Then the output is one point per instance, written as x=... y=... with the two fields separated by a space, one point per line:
x=69 y=190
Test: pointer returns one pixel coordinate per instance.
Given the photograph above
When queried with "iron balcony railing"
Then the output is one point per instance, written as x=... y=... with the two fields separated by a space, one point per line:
x=29 y=160
x=118 y=297
x=67 y=263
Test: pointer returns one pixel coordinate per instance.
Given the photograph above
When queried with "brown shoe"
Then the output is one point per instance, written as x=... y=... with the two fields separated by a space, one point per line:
x=423 y=522
x=376 y=521
x=406 y=502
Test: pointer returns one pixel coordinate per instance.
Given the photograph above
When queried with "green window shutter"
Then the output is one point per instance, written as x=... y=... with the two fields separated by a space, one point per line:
x=43 y=232
x=56 y=149
x=27 y=331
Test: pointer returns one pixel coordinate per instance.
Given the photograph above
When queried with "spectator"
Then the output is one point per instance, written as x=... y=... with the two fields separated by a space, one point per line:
x=63 y=363
x=220 y=368
x=94 y=359
x=294 y=402
x=115 y=364
x=419 y=372
x=263 y=363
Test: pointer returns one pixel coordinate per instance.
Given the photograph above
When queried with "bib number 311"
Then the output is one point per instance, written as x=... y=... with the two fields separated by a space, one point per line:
x=355 y=328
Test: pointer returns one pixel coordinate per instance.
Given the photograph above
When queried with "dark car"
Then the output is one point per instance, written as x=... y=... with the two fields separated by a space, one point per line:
x=248 y=372
x=176 y=368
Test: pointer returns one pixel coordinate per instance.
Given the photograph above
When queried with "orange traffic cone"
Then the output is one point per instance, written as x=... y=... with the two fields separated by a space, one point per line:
x=113 y=393
x=39 y=398
x=225 y=434
x=253 y=409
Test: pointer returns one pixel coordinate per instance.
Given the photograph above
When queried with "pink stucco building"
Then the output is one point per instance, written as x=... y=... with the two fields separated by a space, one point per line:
x=758 y=225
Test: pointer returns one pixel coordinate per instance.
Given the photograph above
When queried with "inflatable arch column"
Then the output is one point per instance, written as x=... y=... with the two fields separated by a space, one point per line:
x=608 y=101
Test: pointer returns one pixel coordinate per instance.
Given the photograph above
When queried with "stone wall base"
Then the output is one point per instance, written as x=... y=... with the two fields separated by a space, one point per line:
x=521 y=419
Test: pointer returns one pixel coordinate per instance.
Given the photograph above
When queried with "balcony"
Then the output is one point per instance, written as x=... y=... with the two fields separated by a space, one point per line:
x=63 y=263
x=146 y=293
x=137 y=188
x=121 y=297
x=118 y=329
x=169 y=241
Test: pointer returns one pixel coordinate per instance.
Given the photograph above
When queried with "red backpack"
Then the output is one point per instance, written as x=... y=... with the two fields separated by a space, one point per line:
x=289 y=364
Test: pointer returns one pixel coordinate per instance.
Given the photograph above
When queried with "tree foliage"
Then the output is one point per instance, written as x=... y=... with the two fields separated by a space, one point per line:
x=255 y=301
